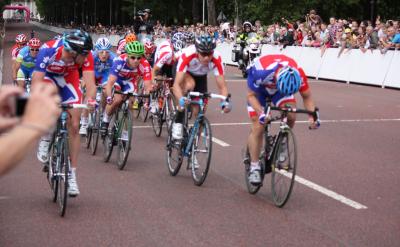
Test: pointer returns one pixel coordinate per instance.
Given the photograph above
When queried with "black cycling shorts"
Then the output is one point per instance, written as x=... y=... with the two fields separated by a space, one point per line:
x=200 y=83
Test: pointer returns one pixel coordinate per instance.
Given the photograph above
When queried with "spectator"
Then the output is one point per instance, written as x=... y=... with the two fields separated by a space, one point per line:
x=372 y=40
x=313 y=19
x=347 y=41
x=286 y=37
x=34 y=123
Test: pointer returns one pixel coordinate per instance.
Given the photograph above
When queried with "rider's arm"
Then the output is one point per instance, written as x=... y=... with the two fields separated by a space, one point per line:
x=221 y=83
x=15 y=68
x=110 y=83
x=88 y=79
x=308 y=100
x=254 y=103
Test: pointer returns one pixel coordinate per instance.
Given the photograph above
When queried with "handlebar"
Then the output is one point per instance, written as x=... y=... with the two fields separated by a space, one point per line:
x=74 y=106
x=287 y=109
x=165 y=79
x=131 y=94
x=210 y=95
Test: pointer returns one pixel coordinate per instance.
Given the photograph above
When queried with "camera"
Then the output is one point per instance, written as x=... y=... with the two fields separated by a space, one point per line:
x=20 y=103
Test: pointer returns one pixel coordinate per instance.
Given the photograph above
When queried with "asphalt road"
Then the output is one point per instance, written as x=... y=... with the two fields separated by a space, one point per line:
x=351 y=162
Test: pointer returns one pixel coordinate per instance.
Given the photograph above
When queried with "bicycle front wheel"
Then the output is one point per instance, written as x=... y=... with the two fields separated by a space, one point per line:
x=54 y=160
x=95 y=130
x=174 y=154
x=200 y=157
x=284 y=162
x=108 y=141
x=62 y=176
x=124 y=140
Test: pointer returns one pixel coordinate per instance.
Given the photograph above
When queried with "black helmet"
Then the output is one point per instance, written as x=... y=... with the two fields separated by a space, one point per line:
x=78 y=41
x=205 y=43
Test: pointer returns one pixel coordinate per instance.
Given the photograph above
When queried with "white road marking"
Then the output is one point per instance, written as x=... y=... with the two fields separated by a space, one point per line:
x=325 y=191
x=242 y=80
x=3 y=197
x=220 y=142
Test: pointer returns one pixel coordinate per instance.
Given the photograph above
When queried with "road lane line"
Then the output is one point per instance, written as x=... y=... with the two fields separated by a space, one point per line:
x=325 y=191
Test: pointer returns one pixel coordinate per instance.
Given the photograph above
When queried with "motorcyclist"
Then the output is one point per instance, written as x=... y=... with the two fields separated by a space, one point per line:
x=241 y=40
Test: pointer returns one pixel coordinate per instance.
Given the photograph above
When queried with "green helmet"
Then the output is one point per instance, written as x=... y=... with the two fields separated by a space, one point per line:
x=134 y=48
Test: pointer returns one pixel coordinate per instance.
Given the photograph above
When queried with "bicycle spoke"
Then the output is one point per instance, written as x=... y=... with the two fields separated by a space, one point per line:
x=201 y=152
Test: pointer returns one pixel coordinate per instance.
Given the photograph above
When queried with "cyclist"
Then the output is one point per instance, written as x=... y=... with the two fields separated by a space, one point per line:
x=276 y=77
x=20 y=42
x=25 y=62
x=149 y=52
x=130 y=37
x=103 y=60
x=124 y=75
x=166 y=56
x=241 y=40
x=191 y=75
x=59 y=62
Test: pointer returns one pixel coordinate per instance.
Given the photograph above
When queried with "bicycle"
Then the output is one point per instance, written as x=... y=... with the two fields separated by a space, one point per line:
x=93 y=130
x=28 y=85
x=119 y=131
x=165 y=106
x=279 y=154
x=59 y=159
x=140 y=104
x=197 y=140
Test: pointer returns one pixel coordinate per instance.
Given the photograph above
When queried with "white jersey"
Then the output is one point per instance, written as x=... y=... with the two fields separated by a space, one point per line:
x=164 y=54
x=189 y=62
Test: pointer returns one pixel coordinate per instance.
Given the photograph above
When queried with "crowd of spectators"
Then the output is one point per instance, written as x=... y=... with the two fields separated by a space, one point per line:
x=345 y=34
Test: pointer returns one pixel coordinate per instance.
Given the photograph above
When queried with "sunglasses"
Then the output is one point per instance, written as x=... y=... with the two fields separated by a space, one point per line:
x=34 y=49
x=206 y=54
x=135 y=57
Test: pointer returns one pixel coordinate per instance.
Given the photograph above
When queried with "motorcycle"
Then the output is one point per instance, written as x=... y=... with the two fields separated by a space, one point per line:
x=251 y=50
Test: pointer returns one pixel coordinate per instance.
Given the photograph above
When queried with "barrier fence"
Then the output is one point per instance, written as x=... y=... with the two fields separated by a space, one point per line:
x=371 y=68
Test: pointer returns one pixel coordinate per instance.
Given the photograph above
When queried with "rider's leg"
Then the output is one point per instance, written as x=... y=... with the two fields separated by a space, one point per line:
x=21 y=79
x=74 y=138
x=254 y=143
x=111 y=108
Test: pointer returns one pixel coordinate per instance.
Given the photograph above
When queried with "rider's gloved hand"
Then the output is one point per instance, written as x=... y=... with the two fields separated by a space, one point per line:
x=109 y=100
x=261 y=118
x=182 y=101
x=226 y=106
x=314 y=120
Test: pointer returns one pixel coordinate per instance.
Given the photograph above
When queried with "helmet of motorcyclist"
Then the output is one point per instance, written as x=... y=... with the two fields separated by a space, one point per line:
x=246 y=25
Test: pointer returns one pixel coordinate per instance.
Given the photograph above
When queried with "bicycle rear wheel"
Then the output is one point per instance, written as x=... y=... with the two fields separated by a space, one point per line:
x=252 y=189
x=284 y=162
x=53 y=160
x=170 y=110
x=108 y=141
x=62 y=176
x=200 y=157
x=124 y=140
x=95 y=130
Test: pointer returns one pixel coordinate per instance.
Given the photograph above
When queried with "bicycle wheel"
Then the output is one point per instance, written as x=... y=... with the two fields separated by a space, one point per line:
x=53 y=160
x=284 y=162
x=144 y=112
x=174 y=154
x=62 y=176
x=201 y=152
x=157 y=119
x=170 y=110
x=108 y=141
x=88 y=137
x=124 y=140
x=95 y=130
x=252 y=189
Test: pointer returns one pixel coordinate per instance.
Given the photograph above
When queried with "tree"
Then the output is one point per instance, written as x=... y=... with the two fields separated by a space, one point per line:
x=211 y=13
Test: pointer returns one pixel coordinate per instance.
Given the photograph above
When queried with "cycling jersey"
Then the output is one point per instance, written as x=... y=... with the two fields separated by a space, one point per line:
x=164 y=54
x=102 y=69
x=27 y=63
x=64 y=75
x=261 y=79
x=189 y=62
x=128 y=77
x=15 y=50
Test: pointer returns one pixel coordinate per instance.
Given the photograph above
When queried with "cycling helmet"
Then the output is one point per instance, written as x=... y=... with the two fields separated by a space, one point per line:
x=189 y=37
x=178 y=36
x=205 y=43
x=130 y=37
x=178 y=45
x=102 y=44
x=21 y=39
x=78 y=41
x=149 y=47
x=134 y=48
x=34 y=43
x=288 y=81
x=247 y=24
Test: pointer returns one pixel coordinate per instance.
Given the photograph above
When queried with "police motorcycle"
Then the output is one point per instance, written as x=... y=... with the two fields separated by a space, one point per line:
x=251 y=50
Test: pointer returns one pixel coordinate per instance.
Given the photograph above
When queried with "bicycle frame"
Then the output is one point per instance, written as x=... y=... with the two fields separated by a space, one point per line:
x=195 y=127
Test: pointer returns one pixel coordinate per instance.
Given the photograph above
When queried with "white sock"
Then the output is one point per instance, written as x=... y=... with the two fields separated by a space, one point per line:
x=84 y=120
x=254 y=166
x=106 y=118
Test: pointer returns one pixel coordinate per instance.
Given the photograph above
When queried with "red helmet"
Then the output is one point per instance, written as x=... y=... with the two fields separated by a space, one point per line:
x=34 y=43
x=21 y=39
x=149 y=47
